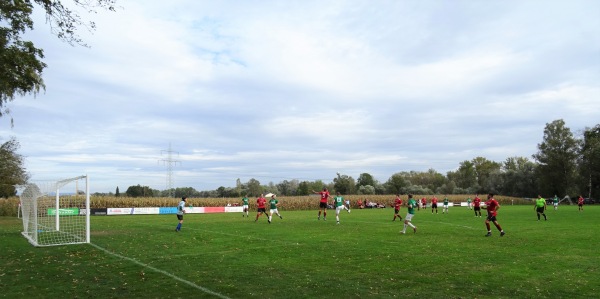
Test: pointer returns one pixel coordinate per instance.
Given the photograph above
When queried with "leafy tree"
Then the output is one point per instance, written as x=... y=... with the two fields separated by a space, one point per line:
x=366 y=190
x=12 y=170
x=344 y=184
x=465 y=176
x=365 y=179
x=254 y=187
x=140 y=191
x=20 y=61
x=117 y=193
x=557 y=158
x=396 y=184
x=483 y=170
x=519 y=177
x=589 y=165
x=303 y=188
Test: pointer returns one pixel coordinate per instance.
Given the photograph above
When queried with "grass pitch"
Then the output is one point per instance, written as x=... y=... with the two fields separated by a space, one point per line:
x=228 y=256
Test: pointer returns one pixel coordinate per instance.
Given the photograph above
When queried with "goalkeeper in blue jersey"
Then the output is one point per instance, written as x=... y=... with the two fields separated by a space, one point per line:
x=180 y=212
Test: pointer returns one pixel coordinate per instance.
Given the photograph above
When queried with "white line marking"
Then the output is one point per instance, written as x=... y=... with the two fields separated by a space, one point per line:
x=203 y=289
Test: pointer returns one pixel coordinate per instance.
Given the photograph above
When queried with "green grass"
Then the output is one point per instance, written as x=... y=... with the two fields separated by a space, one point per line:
x=300 y=257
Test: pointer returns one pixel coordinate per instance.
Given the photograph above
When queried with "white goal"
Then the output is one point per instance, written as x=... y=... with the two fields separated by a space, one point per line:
x=56 y=213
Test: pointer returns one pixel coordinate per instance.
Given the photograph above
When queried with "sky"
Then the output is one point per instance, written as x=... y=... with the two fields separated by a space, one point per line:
x=283 y=90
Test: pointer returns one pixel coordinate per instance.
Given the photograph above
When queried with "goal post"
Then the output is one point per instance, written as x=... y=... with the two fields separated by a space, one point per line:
x=56 y=213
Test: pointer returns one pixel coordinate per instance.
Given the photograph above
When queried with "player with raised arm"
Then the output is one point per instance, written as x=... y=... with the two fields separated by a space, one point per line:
x=397 y=205
x=180 y=212
x=245 y=201
x=260 y=203
x=492 y=209
x=323 y=203
x=274 y=203
x=412 y=204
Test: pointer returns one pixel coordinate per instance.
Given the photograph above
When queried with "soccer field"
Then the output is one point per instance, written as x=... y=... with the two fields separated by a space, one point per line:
x=228 y=256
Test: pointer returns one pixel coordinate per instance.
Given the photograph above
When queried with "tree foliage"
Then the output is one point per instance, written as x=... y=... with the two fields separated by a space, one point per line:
x=12 y=169
x=557 y=159
x=20 y=60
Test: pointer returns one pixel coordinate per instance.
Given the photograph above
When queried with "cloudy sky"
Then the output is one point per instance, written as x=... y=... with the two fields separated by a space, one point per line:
x=281 y=90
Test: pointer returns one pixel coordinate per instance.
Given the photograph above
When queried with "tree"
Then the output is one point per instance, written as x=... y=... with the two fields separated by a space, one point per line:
x=589 y=165
x=344 y=184
x=365 y=179
x=140 y=191
x=557 y=158
x=465 y=177
x=519 y=178
x=12 y=170
x=117 y=193
x=254 y=187
x=396 y=184
x=20 y=61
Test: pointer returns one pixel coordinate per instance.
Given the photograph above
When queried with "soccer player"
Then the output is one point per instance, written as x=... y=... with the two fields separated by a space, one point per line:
x=477 y=205
x=397 y=205
x=260 y=203
x=180 y=212
x=338 y=202
x=469 y=203
x=434 y=204
x=555 y=202
x=412 y=204
x=245 y=206
x=424 y=202
x=540 y=207
x=323 y=203
x=348 y=205
x=274 y=203
x=446 y=202
x=492 y=208
x=580 y=203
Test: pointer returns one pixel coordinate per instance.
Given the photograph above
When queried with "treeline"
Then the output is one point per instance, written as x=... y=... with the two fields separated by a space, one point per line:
x=564 y=165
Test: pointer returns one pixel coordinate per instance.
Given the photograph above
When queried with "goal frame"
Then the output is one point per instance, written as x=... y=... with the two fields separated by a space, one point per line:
x=37 y=211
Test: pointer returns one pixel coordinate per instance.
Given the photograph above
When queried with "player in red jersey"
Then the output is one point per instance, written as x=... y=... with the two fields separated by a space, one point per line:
x=424 y=202
x=323 y=203
x=260 y=203
x=397 y=205
x=580 y=203
x=492 y=208
x=477 y=205
x=434 y=204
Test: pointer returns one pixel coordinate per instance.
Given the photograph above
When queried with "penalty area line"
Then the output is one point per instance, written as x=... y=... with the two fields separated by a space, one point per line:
x=201 y=288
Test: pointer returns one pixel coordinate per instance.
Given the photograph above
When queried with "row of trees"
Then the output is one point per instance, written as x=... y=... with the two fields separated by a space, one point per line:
x=563 y=165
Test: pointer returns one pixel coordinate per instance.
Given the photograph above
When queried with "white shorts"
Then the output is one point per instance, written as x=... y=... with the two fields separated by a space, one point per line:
x=409 y=216
x=339 y=209
x=245 y=207
x=555 y=204
x=274 y=211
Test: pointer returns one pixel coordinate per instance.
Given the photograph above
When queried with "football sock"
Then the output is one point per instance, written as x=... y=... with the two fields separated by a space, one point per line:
x=179 y=226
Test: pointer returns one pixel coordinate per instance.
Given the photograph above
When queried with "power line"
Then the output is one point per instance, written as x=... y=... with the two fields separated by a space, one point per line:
x=169 y=162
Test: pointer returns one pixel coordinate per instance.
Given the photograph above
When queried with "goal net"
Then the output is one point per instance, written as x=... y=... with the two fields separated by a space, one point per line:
x=56 y=213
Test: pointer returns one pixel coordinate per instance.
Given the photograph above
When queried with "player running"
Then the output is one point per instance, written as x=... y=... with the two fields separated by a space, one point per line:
x=397 y=205
x=274 y=204
x=323 y=203
x=245 y=206
x=260 y=203
x=338 y=202
x=412 y=204
x=492 y=208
